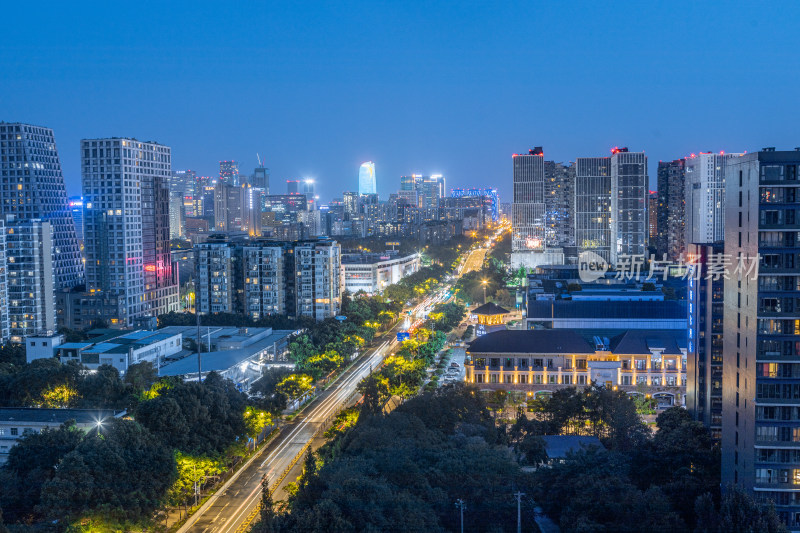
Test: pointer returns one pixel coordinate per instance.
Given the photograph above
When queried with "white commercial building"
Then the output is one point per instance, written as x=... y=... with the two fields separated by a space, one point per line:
x=372 y=273
x=121 y=351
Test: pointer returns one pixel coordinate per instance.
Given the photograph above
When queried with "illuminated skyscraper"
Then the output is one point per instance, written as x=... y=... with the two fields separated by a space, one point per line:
x=367 y=183
x=229 y=172
x=33 y=188
x=528 y=215
x=126 y=202
x=629 y=188
x=593 y=205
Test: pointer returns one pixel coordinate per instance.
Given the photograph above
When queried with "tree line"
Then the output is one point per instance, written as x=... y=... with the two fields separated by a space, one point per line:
x=121 y=471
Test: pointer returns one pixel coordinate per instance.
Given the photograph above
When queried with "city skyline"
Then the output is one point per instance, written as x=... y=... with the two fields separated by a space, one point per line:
x=419 y=99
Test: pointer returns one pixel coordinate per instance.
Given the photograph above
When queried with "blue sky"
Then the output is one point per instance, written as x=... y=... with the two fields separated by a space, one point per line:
x=434 y=87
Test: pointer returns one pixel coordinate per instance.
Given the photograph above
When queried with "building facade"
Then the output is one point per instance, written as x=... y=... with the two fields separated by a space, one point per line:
x=367 y=182
x=593 y=205
x=371 y=273
x=215 y=281
x=705 y=197
x=761 y=368
x=671 y=237
x=559 y=192
x=229 y=173
x=705 y=337
x=32 y=187
x=540 y=362
x=127 y=226
x=31 y=279
x=629 y=189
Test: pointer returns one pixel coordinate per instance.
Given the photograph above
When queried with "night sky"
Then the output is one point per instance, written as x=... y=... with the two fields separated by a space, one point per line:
x=431 y=87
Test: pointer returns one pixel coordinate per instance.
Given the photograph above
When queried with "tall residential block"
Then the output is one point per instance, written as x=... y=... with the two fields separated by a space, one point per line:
x=593 y=205
x=705 y=197
x=761 y=367
x=318 y=268
x=127 y=226
x=32 y=187
x=30 y=278
x=215 y=280
x=704 y=355
x=268 y=270
x=629 y=188
x=671 y=238
x=367 y=182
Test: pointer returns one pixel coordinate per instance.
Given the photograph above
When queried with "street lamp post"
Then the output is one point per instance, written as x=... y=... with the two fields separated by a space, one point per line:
x=461 y=505
x=484 y=282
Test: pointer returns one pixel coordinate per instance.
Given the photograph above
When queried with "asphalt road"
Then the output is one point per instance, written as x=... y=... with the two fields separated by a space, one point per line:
x=231 y=509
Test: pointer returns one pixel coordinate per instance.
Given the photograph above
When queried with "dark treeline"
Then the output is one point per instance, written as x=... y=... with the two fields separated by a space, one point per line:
x=404 y=471
x=119 y=473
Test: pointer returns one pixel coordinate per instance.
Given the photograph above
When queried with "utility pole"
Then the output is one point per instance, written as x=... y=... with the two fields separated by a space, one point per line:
x=518 y=495
x=461 y=505
x=199 y=337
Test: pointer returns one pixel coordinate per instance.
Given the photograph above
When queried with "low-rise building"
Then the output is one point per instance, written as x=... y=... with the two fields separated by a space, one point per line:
x=239 y=354
x=538 y=362
x=372 y=272
x=18 y=422
x=121 y=349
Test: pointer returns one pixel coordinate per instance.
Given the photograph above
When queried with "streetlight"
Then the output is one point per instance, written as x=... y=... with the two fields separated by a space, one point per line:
x=484 y=282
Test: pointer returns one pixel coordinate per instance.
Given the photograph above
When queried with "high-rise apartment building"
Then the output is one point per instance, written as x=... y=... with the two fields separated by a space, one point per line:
x=652 y=217
x=367 y=182
x=593 y=205
x=215 y=277
x=671 y=238
x=30 y=278
x=761 y=376
x=229 y=172
x=350 y=201
x=318 y=268
x=127 y=226
x=4 y=311
x=629 y=187
x=705 y=337
x=559 y=194
x=705 y=197
x=268 y=269
x=175 y=216
x=32 y=187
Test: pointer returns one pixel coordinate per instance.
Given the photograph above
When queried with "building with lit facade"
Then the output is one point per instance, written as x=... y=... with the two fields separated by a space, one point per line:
x=229 y=172
x=127 y=226
x=32 y=187
x=529 y=214
x=671 y=223
x=593 y=205
x=761 y=338
x=705 y=197
x=372 y=272
x=629 y=194
x=705 y=338
x=367 y=183
x=539 y=362
x=215 y=290
x=30 y=278
x=559 y=193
